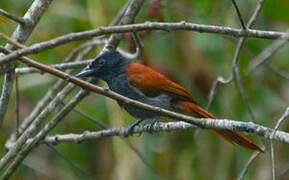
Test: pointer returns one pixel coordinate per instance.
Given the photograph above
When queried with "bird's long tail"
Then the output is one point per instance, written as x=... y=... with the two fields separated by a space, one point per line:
x=231 y=136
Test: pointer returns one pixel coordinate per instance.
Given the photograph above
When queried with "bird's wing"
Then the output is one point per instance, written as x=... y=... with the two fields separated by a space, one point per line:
x=152 y=83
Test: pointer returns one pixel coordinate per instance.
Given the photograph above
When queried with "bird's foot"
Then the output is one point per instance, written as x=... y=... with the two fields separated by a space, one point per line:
x=130 y=129
x=150 y=125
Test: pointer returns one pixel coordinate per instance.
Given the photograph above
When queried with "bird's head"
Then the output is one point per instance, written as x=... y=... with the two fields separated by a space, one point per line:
x=106 y=66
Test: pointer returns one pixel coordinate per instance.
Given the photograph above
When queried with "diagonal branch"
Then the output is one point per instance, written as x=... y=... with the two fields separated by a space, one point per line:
x=265 y=55
x=239 y=15
x=17 y=19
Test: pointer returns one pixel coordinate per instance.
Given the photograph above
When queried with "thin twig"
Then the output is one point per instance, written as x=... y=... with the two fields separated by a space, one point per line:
x=239 y=15
x=128 y=143
x=11 y=41
x=6 y=91
x=128 y=17
x=214 y=87
x=236 y=76
x=272 y=151
x=245 y=169
x=17 y=19
x=278 y=72
x=25 y=150
x=17 y=104
x=272 y=155
x=62 y=66
x=67 y=159
x=284 y=172
x=120 y=14
x=265 y=55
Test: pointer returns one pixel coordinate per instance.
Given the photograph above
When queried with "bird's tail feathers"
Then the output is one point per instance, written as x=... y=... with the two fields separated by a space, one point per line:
x=231 y=136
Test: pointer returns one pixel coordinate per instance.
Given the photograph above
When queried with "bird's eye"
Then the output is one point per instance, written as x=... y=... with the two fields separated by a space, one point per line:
x=101 y=62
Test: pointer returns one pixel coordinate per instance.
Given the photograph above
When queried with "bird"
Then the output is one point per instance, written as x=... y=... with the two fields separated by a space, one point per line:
x=144 y=84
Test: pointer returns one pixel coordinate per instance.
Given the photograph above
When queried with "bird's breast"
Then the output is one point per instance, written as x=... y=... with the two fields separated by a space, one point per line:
x=121 y=85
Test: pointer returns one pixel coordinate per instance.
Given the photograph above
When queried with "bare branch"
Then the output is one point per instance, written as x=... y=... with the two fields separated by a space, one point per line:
x=272 y=155
x=239 y=15
x=6 y=91
x=278 y=72
x=12 y=17
x=272 y=151
x=67 y=159
x=265 y=55
x=120 y=14
x=148 y=26
x=236 y=71
x=17 y=104
x=62 y=66
x=127 y=18
x=245 y=169
x=11 y=41
x=284 y=172
x=214 y=87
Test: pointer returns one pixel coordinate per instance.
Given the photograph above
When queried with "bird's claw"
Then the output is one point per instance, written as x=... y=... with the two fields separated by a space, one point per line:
x=149 y=127
x=151 y=124
x=130 y=129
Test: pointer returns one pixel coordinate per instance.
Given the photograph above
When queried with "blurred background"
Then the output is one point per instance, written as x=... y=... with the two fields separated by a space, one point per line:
x=192 y=59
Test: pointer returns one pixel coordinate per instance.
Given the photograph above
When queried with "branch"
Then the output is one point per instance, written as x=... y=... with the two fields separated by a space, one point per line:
x=171 y=126
x=128 y=17
x=278 y=72
x=283 y=117
x=148 y=26
x=121 y=132
x=239 y=15
x=77 y=167
x=245 y=169
x=236 y=76
x=266 y=54
x=17 y=19
x=62 y=66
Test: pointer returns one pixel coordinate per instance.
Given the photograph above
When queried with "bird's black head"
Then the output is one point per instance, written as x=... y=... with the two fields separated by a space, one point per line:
x=106 y=66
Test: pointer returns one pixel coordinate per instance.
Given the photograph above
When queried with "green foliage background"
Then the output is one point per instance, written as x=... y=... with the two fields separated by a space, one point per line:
x=192 y=59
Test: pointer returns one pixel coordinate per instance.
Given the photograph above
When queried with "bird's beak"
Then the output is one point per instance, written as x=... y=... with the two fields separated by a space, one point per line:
x=86 y=73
